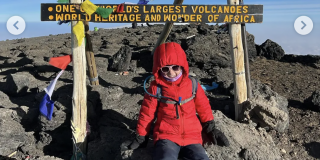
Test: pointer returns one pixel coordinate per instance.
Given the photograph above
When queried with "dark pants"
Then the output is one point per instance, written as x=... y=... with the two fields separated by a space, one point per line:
x=168 y=150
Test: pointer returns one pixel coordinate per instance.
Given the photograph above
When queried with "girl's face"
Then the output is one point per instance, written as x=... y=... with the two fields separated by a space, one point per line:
x=171 y=71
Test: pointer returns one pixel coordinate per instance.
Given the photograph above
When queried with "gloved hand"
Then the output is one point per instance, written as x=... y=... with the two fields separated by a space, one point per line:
x=216 y=136
x=138 y=141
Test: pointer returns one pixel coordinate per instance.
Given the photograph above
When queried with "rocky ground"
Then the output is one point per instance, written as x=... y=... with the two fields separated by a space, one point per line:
x=281 y=121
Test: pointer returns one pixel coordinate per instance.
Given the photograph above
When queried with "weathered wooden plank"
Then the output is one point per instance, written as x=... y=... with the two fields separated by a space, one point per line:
x=79 y=96
x=238 y=68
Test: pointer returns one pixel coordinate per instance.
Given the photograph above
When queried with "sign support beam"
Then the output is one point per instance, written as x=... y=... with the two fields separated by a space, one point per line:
x=166 y=30
x=237 y=55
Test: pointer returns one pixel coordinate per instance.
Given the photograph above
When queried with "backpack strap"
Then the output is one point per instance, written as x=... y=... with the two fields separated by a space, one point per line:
x=194 y=85
x=158 y=92
x=194 y=92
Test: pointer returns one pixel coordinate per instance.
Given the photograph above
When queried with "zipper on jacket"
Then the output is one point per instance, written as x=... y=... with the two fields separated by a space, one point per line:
x=177 y=109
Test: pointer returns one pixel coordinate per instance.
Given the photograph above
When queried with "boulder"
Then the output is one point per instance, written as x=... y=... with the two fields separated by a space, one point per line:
x=224 y=77
x=5 y=101
x=61 y=113
x=12 y=134
x=313 y=101
x=121 y=60
x=271 y=50
x=205 y=58
x=267 y=108
x=18 y=84
x=218 y=54
x=110 y=96
x=251 y=46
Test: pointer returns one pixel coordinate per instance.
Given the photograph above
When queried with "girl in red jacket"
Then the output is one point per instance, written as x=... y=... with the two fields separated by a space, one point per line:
x=177 y=128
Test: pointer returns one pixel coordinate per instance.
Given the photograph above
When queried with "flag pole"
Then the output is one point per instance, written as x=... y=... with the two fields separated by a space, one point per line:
x=166 y=30
x=93 y=75
x=79 y=97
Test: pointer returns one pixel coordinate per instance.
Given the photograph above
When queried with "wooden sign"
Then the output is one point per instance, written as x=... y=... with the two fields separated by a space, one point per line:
x=157 y=13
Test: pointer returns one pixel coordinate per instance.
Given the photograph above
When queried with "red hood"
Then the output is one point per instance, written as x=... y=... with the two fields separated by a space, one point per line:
x=169 y=54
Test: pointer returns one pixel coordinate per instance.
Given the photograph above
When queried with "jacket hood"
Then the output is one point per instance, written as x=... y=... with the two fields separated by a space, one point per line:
x=169 y=54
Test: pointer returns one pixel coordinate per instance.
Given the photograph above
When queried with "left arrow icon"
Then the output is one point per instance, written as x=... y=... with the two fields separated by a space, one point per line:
x=15 y=25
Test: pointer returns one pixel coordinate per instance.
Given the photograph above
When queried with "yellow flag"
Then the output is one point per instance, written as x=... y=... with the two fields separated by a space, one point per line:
x=89 y=7
x=75 y=130
x=78 y=30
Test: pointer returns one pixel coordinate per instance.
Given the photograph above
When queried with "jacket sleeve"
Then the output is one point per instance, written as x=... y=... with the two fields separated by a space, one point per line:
x=147 y=111
x=203 y=107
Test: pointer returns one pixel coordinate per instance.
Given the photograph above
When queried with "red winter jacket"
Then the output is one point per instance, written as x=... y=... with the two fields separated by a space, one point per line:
x=187 y=129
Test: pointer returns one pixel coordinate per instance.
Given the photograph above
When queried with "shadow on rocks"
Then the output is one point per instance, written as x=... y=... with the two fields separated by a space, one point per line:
x=114 y=129
x=296 y=104
x=313 y=149
x=126 y=90
x=55 y=137
x=6 y=158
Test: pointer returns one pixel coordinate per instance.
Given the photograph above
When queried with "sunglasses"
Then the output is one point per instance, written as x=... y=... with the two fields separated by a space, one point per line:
x=167 y=68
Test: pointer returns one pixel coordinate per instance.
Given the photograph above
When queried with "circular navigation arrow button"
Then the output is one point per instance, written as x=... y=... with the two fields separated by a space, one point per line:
x=16 y=25
x=303 y=25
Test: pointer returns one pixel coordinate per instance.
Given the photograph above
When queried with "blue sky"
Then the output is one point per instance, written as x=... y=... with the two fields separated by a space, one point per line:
x=278 y=20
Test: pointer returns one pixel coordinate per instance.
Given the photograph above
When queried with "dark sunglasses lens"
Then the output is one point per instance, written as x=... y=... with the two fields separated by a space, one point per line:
x=165 y=69
x=175 y=68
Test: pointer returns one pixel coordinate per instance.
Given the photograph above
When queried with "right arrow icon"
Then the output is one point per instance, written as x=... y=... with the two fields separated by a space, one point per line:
x=304 y=25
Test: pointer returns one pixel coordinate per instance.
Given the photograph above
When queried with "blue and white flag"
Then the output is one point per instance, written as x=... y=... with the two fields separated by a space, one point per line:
x=47 y=105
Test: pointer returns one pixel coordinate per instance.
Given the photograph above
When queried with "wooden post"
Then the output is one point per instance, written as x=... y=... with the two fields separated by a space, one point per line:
x=79 y=97
x=166 y=30
x=246 y=57
x=93 y=75
x=237 y=55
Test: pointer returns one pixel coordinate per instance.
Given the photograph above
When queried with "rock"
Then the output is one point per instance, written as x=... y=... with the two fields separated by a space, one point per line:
x=246 y=143
x=310 y=60
x=43 y=66
x=283 y=151
x=140 y=70
x=18 y=84
x=58 y=118
x=223 y=76
x=5 y=101
x=121 y=60
x=44 y=139
x=107 y=145
x=203 y=29
x=208 y=57
x=267 y=108
x=29 y=115
x=271 y=50
x=12 y=134
x=110 y=96
x=47 y=158
x=133 y=66
x=313 y=101
x=251 y=46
